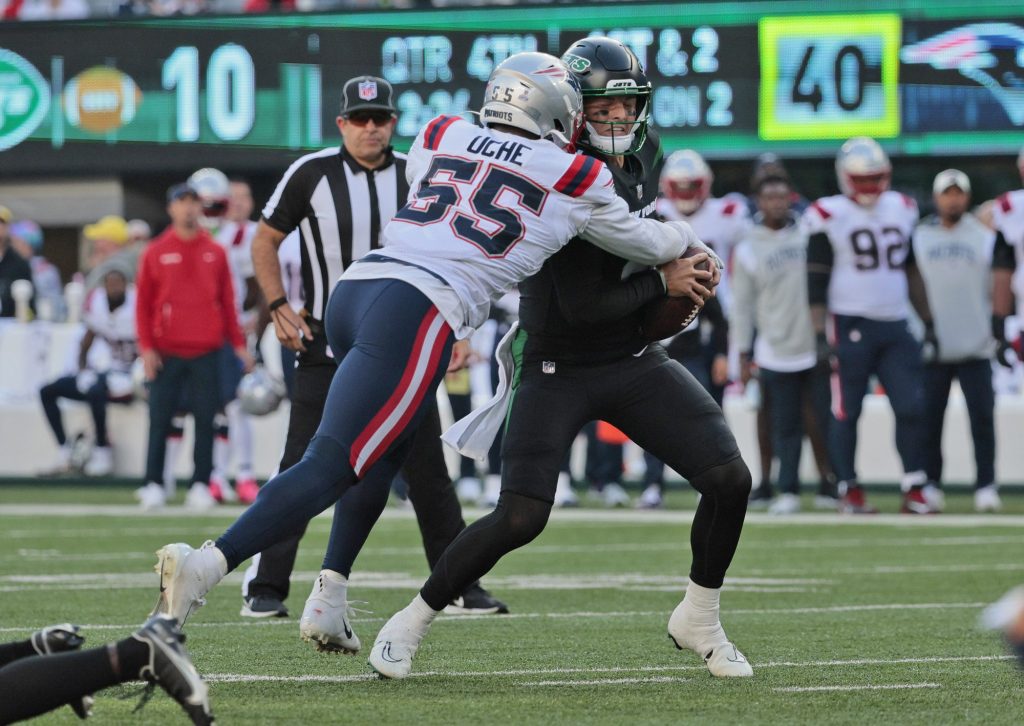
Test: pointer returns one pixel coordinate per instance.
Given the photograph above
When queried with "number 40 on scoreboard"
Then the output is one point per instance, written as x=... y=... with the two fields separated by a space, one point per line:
x=829 y=77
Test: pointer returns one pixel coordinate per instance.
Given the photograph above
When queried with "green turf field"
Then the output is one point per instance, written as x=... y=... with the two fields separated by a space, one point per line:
x=845 y=620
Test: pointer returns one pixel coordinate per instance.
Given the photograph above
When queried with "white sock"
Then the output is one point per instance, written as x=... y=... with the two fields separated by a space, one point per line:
x=702 y=603
x=423 y=612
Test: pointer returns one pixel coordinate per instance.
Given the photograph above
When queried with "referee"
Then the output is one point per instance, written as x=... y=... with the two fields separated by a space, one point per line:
x=340 y=199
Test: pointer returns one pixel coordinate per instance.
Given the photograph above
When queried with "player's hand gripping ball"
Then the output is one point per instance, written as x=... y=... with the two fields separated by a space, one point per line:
x=666 y=316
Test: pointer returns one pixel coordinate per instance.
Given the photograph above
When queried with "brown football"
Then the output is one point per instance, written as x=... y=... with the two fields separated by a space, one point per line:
x=666 y=316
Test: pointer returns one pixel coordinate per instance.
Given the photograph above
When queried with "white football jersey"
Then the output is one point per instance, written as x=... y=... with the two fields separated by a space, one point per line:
x=720 y=224
x=115 y=331
x=487 y=208
x=236 y=239
x=1008 y=218
x=870 y=247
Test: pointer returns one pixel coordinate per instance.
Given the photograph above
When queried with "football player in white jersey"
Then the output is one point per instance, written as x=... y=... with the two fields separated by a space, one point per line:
x=861 y=273
x=234 y=439
x=1008 y=218
x=489 y=205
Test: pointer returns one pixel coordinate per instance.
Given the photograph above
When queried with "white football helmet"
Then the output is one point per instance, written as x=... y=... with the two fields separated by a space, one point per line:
x=686 y=180
x=260 y=393
x=535 y=92
x=863 y=170
x=214 y=192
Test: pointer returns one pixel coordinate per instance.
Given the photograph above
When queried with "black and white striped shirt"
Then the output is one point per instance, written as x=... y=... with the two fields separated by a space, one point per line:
x=339 y=208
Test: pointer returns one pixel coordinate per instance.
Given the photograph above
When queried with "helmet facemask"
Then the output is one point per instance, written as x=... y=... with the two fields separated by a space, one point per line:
x=626 y=136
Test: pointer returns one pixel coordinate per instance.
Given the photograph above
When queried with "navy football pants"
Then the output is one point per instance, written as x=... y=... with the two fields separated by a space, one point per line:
x=884 y=348
x=393 y=347
x=975 y=378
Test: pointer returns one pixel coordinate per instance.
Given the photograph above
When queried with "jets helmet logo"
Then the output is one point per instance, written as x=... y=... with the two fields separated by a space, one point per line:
x=368 y=90
x=576 y=63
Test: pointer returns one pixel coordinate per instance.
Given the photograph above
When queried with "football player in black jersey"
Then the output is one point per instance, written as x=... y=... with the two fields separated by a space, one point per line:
x=579 y=356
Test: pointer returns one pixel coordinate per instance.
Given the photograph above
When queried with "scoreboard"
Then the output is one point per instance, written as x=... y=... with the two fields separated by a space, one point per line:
x=730 y=79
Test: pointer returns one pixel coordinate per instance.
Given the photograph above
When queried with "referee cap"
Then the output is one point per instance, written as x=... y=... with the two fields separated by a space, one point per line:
x=951 y=178
x=367 y=93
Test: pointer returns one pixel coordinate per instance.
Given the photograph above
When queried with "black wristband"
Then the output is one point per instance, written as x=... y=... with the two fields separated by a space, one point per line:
x=999 y=327
x=277 y=303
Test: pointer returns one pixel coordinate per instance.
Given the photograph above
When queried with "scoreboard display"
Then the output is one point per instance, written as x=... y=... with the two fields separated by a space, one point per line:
x=730 y=79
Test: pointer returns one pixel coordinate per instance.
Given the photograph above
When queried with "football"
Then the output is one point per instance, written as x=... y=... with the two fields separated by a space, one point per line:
x=101 y=99
x=666 y=316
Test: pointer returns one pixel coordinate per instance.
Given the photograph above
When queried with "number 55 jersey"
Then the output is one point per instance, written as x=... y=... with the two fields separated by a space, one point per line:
x=870 y=248
x=486 y=208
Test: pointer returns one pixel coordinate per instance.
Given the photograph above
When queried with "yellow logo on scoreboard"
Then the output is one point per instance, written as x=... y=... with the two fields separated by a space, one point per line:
x=101 y=99
x=829 y=77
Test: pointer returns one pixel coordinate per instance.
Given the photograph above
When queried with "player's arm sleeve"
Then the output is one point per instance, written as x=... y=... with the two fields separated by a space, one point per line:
x=819 y=268
x=1003 y=257
x=611 y=227
x=744 y=301
x=289 y=203
x=586 y=297
x=144 y=297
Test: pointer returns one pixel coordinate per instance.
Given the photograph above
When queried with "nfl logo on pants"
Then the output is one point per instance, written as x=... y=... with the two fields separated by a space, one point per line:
x=368 y=90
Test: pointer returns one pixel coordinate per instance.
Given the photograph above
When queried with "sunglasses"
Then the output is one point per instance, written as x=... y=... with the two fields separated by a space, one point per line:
x=361 y=118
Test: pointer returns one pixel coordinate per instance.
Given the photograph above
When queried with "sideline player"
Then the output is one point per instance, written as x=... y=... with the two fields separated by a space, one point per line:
x=579 y=356
x=490 y=205
x=861 y=271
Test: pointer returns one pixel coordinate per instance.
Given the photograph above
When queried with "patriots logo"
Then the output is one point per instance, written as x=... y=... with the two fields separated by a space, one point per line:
x=556 y=72
x=368 y=90
x=979 y=52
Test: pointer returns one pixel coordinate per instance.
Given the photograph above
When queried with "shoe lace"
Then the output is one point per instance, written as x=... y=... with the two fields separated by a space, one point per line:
x=145 y=693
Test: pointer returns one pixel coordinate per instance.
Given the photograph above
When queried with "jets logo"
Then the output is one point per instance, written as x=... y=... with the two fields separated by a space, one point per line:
x=576 y=63
x=990 y=54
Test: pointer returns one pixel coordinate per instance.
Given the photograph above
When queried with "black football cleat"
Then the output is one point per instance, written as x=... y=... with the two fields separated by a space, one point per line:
x=171 y=668
x=475 y=600
x=63 y=638
x=263 y=606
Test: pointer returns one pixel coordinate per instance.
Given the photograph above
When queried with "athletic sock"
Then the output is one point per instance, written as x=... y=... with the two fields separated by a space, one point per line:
x=702 y=604
x=10 y=652
x=33 y=686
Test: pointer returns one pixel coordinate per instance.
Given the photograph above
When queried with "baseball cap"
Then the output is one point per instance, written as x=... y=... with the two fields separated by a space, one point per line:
x=5 y=215
x=367 y=93
x=181 y=190
x=111 y=228
x=951 y=178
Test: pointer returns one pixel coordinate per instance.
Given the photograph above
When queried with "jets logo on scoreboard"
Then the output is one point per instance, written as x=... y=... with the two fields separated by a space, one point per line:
x=24 y=99
x=829 y=77
x=101 y=99
x=990 y=54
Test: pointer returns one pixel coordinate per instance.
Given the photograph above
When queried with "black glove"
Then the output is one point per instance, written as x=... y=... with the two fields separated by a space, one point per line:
x=823 y=349
x=1005 y=355
x=930 y=344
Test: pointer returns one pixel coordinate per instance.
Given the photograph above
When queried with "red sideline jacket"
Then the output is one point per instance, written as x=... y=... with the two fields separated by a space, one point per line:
x=185 y=303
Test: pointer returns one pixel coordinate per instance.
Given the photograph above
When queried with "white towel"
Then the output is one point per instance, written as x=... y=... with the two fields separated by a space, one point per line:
x=473 y=435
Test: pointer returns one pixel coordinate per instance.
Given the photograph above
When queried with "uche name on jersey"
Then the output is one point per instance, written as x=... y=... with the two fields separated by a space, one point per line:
x=510 y=151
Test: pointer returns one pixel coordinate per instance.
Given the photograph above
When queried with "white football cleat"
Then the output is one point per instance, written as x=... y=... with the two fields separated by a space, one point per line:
x=785 y=504
x=723 y=659
x=101 y=462
x=151 y=496
x=199 y=498
x=186 y=575
x=565 y=496
x=468 y=489
x=613 y=495
x=651 y=498
x=935 y=497
x=325 y=618
x=397 y=643
x=986 y=499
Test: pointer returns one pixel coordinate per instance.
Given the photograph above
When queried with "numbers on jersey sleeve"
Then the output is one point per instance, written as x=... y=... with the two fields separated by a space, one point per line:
x=870 y=256
x=494 y=227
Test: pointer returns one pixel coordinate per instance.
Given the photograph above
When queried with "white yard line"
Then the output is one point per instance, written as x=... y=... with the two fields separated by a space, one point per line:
x=575 y=615
x=593 y=516
x=869 y=687
x=606 y=681
x=243 y=677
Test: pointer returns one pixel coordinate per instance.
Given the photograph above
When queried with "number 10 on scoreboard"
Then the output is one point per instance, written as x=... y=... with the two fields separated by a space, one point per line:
x=829 y=77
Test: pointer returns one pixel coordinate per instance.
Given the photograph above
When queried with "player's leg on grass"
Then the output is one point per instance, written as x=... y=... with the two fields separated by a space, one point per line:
x=661 y=407
x=938 y=377
x=901 y=373
x=817 y=420
x=787 y=435
x=546 y=413
x=976 y=383
x=393 y=347
x=155 y=653
x=855 y=357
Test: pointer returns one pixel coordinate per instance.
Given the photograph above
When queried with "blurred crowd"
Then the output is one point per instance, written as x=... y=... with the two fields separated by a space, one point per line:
x=12 y=10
